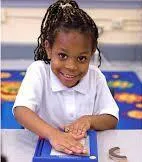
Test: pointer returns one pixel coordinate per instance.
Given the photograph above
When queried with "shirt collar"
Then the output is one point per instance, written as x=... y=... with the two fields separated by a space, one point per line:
x=81 y=87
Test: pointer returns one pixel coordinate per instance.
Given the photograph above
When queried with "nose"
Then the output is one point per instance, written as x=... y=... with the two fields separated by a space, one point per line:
x=71 y=64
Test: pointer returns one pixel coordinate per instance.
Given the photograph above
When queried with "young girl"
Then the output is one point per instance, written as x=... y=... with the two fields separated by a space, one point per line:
x=61 y=91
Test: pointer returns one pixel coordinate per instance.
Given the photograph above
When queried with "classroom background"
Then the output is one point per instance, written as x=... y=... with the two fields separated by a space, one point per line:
x=120 y=42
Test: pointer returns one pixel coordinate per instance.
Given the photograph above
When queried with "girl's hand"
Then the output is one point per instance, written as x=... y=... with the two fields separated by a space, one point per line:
x=79 y=128
x=65 y=143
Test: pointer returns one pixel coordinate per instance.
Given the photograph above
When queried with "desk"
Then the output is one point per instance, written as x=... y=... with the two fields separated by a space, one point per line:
x=19 y=145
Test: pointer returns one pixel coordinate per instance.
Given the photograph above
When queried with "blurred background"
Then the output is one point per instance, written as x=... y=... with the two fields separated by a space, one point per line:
x=120 y=42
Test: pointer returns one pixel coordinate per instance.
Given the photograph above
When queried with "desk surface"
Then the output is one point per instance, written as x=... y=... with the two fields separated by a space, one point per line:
x=19 y=145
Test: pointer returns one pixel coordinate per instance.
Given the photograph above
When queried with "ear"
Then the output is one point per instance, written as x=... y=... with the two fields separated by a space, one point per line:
x=93 y=51
x=47 y=48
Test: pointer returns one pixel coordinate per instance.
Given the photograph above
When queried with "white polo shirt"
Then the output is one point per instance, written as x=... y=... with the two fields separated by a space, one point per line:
x=42 y=92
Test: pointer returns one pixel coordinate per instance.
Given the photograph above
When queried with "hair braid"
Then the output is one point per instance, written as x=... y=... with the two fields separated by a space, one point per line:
x=60 y=16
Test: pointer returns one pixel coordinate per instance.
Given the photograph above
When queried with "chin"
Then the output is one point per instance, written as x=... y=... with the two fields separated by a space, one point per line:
x=70 y=85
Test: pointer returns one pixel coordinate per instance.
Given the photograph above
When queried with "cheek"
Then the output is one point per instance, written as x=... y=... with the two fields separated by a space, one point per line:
x=55 y=65
x=84 y=68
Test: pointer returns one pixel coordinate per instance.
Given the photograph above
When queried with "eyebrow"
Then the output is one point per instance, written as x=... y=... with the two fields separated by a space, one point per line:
x=84 y=52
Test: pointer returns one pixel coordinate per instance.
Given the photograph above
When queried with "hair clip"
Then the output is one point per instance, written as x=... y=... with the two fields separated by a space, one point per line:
x=65 y=5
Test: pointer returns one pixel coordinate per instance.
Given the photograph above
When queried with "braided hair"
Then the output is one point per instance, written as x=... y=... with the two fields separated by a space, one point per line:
x=64 y=15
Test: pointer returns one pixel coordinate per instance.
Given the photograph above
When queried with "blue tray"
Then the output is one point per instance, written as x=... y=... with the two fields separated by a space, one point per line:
x=43 y=150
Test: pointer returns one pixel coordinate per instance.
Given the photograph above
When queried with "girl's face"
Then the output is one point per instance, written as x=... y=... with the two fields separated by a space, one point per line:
x=70 y=56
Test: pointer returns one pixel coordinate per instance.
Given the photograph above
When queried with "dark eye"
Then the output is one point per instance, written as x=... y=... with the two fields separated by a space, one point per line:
x=62 y=56
x=82 y=58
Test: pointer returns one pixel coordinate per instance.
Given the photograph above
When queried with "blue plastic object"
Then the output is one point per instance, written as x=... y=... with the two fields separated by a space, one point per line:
x=43 y=150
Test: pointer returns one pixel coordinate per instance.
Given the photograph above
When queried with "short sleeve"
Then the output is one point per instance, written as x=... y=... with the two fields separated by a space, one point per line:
x=30 y=91
x=104 y=101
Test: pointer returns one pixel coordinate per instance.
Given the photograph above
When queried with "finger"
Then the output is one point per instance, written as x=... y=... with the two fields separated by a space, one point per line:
x=73 y=146
x=80 y=148
x=84 y=130
x=79 y=131
x=67 y=151
x=75 y=129
x=79 y=144
x=78 y=137
x=71 y=128
x=63 y=149
x=77 y=147
x=74 y=143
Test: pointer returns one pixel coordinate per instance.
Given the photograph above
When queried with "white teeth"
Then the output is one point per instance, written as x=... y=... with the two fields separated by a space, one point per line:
x=68 y=76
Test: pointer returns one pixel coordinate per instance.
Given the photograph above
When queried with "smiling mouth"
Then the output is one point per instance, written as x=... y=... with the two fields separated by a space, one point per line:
x=68 y=76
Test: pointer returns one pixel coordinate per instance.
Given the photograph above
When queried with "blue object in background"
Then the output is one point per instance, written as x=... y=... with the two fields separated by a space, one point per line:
x=7 y=119
x=126 y=122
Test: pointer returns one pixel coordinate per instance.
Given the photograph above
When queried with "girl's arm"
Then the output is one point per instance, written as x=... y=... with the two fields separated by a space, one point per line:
x=32 y=121
x=61 y=141
x=103 y=122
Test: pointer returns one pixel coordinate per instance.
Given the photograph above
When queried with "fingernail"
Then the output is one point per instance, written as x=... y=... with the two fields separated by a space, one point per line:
x=70 y=152
x=85 y=151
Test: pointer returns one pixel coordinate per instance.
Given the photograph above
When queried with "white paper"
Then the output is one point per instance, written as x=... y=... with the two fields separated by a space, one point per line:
x=84 y=142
